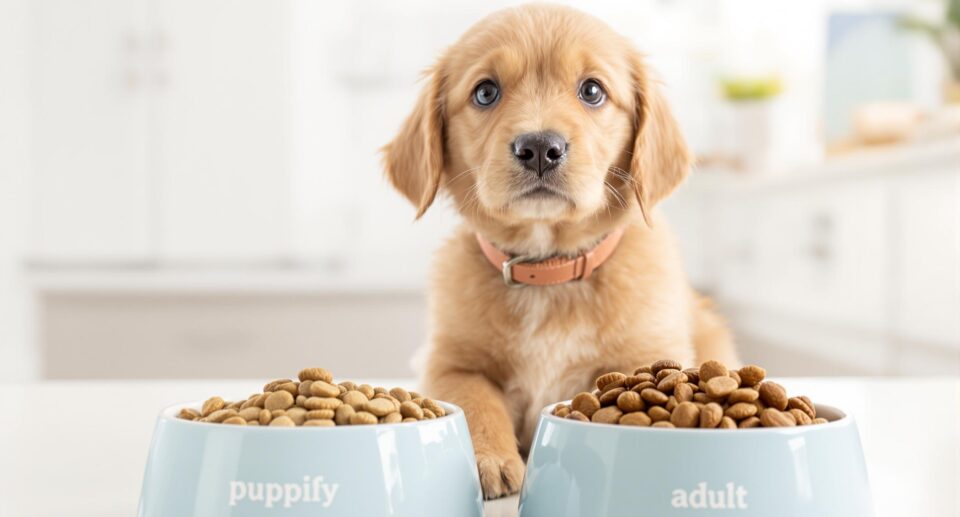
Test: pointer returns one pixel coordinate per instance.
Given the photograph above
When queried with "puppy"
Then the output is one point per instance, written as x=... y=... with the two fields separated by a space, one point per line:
x=548 y=133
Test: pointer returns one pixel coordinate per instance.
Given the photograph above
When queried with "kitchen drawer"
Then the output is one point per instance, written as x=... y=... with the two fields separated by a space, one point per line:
x=218 y=336
x=816 y=253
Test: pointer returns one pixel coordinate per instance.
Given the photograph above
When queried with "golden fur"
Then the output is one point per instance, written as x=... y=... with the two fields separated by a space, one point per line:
x=501 y=353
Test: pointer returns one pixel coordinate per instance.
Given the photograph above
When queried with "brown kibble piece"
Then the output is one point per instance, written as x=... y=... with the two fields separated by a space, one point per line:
x=741 y=410
x=607 y=415
x=711 y=369
x=727 y=423
x=354 y=398
x=379 y=407
x=320 y=414
x=250 y=413
x=654 y=396
x=322 y=403
x=343 y=414
x=658 y=413
x=392 y=418
x=235 y=420
x=800 y=417
x=748 y=423
x=719 y=387
x=319 y=422
x=663 y=423
x=803 y=405
x=664 y=363
x=609 y=378
x=683 y=392
x=693 y=375
x=711 y=415
x=410 y=410
x=637 y=418
x=315 y=374
x=773 y=395
x=400 y=394
x=751 y=375
x=742 y=395
x=685 y=415
x=576 y=415
x=219 y=415
x=671 y=381
x=297 y=414
x=212 y=404
x=324 y=389
x=586 y=404
x=278 y=400
x=363 y=418
x=433 y=407
x=188 y=414
x=630 y=401
x=283 y=421
x=771 y=417
x=610 y=397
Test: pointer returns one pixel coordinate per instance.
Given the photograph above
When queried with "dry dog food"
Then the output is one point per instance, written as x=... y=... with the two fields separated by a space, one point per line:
x=316 y=401
x=664 y=394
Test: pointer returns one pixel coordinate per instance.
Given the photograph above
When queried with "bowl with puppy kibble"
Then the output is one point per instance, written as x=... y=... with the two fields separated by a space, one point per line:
x=667 y=441
x=312 y=447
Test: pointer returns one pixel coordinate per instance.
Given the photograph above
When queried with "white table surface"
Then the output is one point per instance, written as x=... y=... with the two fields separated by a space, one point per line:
x=79 y=448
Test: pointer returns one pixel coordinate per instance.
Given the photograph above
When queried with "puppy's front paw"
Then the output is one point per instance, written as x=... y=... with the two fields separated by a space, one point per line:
x=500 y=474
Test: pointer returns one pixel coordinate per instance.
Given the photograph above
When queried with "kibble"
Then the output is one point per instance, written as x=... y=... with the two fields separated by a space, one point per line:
x=315 y=400
x=664 y=394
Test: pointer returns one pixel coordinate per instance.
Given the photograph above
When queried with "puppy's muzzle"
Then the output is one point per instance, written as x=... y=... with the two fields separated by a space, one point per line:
x=540 y=153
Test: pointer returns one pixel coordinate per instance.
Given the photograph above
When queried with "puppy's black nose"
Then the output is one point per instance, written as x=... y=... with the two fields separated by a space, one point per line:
x=540 y=152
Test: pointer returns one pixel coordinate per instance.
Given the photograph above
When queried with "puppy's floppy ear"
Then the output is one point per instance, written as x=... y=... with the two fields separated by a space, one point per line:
x=661 y=159
x=414 y=159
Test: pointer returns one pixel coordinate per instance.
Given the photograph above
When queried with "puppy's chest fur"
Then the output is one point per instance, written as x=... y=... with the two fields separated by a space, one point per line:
x=554 y=349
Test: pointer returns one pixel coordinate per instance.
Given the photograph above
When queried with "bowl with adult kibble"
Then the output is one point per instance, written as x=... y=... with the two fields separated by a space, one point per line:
x=667 y=441
x=312 y=447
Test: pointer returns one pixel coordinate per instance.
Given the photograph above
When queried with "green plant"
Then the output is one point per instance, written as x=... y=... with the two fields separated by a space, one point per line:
x=945 y=35
x=750 y=88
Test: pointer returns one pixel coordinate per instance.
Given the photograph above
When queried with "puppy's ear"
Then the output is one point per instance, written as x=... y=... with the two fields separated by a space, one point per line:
x=661 y=159
x=414 y=159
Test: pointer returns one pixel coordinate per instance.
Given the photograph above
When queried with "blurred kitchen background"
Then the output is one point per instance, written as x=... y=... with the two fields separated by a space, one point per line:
x=190 y=188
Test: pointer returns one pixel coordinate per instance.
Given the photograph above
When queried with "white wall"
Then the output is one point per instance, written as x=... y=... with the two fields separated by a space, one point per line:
x=16 y=357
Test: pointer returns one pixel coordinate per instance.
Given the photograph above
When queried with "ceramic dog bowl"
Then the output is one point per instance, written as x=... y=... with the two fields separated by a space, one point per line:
x=579 y=469
x=398 y=470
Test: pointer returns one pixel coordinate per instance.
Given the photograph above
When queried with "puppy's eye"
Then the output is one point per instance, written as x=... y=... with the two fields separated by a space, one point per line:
x=592 y=93
x=486 y=94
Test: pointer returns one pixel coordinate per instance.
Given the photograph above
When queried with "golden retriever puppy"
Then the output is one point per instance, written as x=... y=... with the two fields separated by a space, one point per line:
x=548 y=133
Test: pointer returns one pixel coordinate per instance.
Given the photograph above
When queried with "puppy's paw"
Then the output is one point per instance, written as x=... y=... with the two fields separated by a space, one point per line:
x=500 y=474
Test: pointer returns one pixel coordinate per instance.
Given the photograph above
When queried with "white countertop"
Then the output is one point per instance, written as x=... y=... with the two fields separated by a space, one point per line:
x=79 y=448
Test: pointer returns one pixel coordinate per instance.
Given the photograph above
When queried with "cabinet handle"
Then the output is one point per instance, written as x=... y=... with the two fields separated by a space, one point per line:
x=821 y=245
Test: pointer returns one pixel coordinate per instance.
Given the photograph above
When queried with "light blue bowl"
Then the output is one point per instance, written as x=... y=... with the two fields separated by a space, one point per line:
x=579 y=469
x=398 y=470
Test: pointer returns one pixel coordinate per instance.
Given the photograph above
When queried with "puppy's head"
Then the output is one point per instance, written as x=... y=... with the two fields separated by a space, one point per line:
x=540 y=113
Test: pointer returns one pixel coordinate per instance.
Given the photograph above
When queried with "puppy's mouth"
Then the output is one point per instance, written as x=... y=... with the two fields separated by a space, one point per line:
x=544 y=192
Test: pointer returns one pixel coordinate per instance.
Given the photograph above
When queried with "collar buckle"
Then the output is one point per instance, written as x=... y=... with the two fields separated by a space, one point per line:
x=507 y=270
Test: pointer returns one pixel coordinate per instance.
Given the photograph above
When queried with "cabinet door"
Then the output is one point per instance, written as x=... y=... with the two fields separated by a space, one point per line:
x=817 y=253
x=90 y=199
x=221 y=133
x=928 y=254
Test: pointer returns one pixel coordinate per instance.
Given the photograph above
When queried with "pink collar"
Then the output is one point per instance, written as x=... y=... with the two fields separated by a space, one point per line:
x=519 y=270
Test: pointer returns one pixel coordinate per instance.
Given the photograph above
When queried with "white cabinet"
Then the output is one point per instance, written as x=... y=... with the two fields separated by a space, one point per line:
x=160 y=131
x=813 y=252
x=928 y=255
x=91 y=199
x=856 y=261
